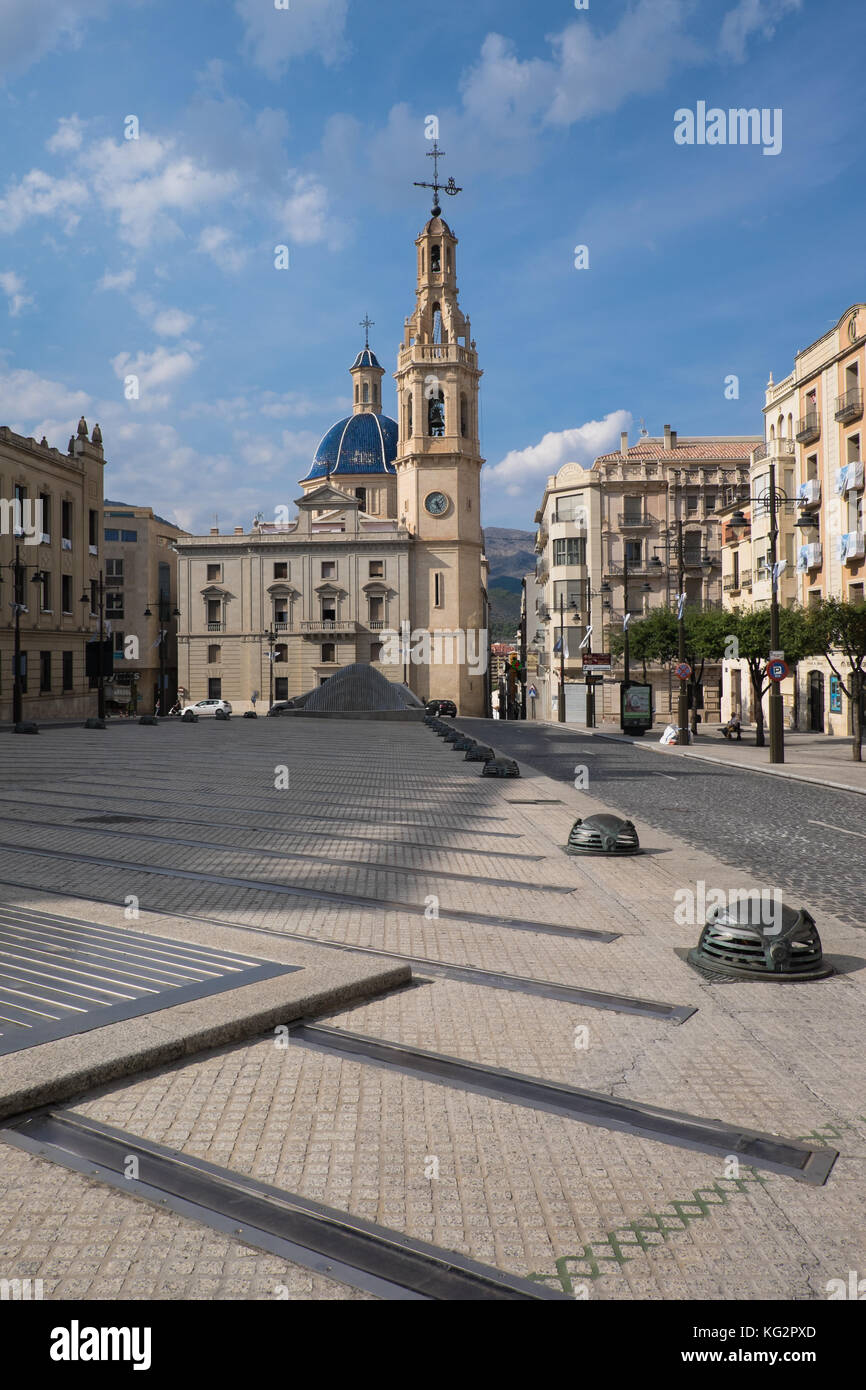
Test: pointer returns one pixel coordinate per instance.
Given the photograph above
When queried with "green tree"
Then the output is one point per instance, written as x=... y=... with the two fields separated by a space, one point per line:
x=651 y=639
x=838 y=628
x=751 y=629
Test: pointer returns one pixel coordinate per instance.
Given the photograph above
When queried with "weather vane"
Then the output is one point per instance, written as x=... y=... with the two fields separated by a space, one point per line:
x=367 y=323
x=450 y=187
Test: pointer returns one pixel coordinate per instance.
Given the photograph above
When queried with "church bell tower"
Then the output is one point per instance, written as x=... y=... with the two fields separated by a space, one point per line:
x=439 y=472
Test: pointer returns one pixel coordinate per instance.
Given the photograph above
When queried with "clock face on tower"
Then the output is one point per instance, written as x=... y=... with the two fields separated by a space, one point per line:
x=436 y=503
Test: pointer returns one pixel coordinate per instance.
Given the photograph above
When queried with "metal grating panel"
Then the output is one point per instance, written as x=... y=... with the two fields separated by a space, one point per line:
x=60 y=976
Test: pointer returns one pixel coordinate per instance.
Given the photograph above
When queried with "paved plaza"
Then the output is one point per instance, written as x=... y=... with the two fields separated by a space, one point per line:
x=387 y=889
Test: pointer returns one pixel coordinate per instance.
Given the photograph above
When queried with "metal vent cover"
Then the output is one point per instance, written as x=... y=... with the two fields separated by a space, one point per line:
x=462 y=744
x=480 y=754
x=733 y=943
x=604 y=834
x=500 y=767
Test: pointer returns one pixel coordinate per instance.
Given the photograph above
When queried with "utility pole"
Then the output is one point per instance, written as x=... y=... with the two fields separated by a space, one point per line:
x=777 y=737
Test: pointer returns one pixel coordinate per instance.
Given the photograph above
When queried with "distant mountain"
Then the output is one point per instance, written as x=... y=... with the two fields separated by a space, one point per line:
x=511 y=555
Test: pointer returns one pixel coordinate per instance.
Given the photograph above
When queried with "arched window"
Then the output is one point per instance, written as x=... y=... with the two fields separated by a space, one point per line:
x=464 y=415
x=409 y=422
x=361 y=494
x=435 y=258
x=375 y=393
x=436 y=416
x=437 y=323
x=423 y=259
x=790 y=427
x=356 y=393
x=366 y=392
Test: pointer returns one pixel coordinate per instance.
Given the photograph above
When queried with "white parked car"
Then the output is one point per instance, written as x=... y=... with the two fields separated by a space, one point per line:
x=208 y=707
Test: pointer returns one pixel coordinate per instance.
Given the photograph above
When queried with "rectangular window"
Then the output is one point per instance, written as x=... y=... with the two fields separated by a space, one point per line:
x=214 y=653
x=634 y=553
x=214 y=574
x=569 y=550
x=46 y=514
x=129 y=535
x=67 y=670
x=93 y=529
x=114 y=571
x=853 y=448
x=111 y=535
x=692 y=500
x=66 y=593
x=377 y=610
x=214 y=688
x=214 y=613
x=633 y=509
x=118 y=644
x=855 y=593
x=375 y=651
x=66 y=525
x=45 y=592
x=281 y=688
x=377 y=569
x=44 y=671
x=329 y=569
x=281 y=569
x=572 y=592
x=114 y=605
x=329 y=652
x=438 y=590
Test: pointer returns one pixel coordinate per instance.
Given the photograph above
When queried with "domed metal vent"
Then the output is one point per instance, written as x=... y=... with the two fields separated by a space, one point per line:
x=454 y=736
x=500 y=767
x=737 y=941
x=480 y=754
x=603 y=835
x=462 y=744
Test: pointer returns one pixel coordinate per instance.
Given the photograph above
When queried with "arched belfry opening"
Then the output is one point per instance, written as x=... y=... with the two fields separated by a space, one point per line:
x=436 y=415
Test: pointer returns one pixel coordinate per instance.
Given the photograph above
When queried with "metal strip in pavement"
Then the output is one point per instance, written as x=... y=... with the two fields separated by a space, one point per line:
x=318 y=894
x=451 y=970
x=779 y=1155
x=329 y=1242
x=299 y=815
x=65 y=977
x=374 y=866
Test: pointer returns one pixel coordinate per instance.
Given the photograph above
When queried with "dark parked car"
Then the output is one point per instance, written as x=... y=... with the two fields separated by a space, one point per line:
x=280 y=706
x=446 y=709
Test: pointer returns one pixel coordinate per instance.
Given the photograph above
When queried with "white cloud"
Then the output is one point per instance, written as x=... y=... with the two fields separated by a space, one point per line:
x=750 y=17
x=272 y=37
x=67 y=137
x=31 y=28
x=172 y=323
x=220 y=244
x=117 y=280
x=303 y=214
x=13 y=287
x=157 y=372
x=40 y=195
x=526 y=468
x=143 y=180
x=26 y=398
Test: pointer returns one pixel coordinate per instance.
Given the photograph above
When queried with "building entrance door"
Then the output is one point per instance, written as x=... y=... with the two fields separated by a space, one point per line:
x=816 y=702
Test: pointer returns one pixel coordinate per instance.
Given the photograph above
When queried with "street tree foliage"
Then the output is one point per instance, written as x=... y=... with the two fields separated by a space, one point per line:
x=838 y=632
x=751 y=628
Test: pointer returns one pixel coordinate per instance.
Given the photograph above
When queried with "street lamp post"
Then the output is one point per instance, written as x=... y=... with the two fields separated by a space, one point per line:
x=19 y=570
x=271 y=638
x=165 y=619
x=626 y=655
x=100 y=679
x=561 y=709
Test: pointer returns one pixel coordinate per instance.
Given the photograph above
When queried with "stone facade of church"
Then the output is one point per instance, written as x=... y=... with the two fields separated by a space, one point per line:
x=384 y=562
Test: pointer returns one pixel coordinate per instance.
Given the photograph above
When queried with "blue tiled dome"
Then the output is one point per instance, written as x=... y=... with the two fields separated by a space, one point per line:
x=363 y=443
x=366 y=358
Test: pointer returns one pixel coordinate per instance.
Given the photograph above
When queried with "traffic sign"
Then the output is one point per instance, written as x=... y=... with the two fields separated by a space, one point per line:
x=777 y=670
x=777 y=656
x=682 y=670
x=597 y=662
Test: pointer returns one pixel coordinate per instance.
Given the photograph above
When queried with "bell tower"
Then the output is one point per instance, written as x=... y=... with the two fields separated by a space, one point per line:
x=439 y=472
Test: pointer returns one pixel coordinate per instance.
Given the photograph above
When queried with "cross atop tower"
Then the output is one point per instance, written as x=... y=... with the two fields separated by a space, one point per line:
x=450 y=187
x=367 y=323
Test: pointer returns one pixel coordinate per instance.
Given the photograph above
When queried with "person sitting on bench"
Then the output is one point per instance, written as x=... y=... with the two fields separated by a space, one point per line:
x=733 y=727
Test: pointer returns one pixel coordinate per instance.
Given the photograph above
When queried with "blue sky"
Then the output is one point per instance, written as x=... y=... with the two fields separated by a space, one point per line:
x=305 y=127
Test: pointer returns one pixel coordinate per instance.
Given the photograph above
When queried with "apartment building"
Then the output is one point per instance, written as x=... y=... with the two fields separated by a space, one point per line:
x=608 y=543
x=140 y=582
x=814 y=434
x=51 y=553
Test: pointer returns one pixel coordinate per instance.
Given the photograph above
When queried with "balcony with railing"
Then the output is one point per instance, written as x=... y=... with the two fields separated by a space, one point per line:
x=746 y=579
x=642 y=521
x=772 y=448
x=809 y=427
x=540 y=540
x=215 y=627
x=809 y=493
x=849 y=406
x=731 y=583
x=314 y=625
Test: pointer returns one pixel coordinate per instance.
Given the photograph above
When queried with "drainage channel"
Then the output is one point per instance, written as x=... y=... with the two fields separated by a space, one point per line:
x=447 y=970
x=106 y=828
x=769 y=1151
x=319 y=1238
x=303 y=816
x=319 y=894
